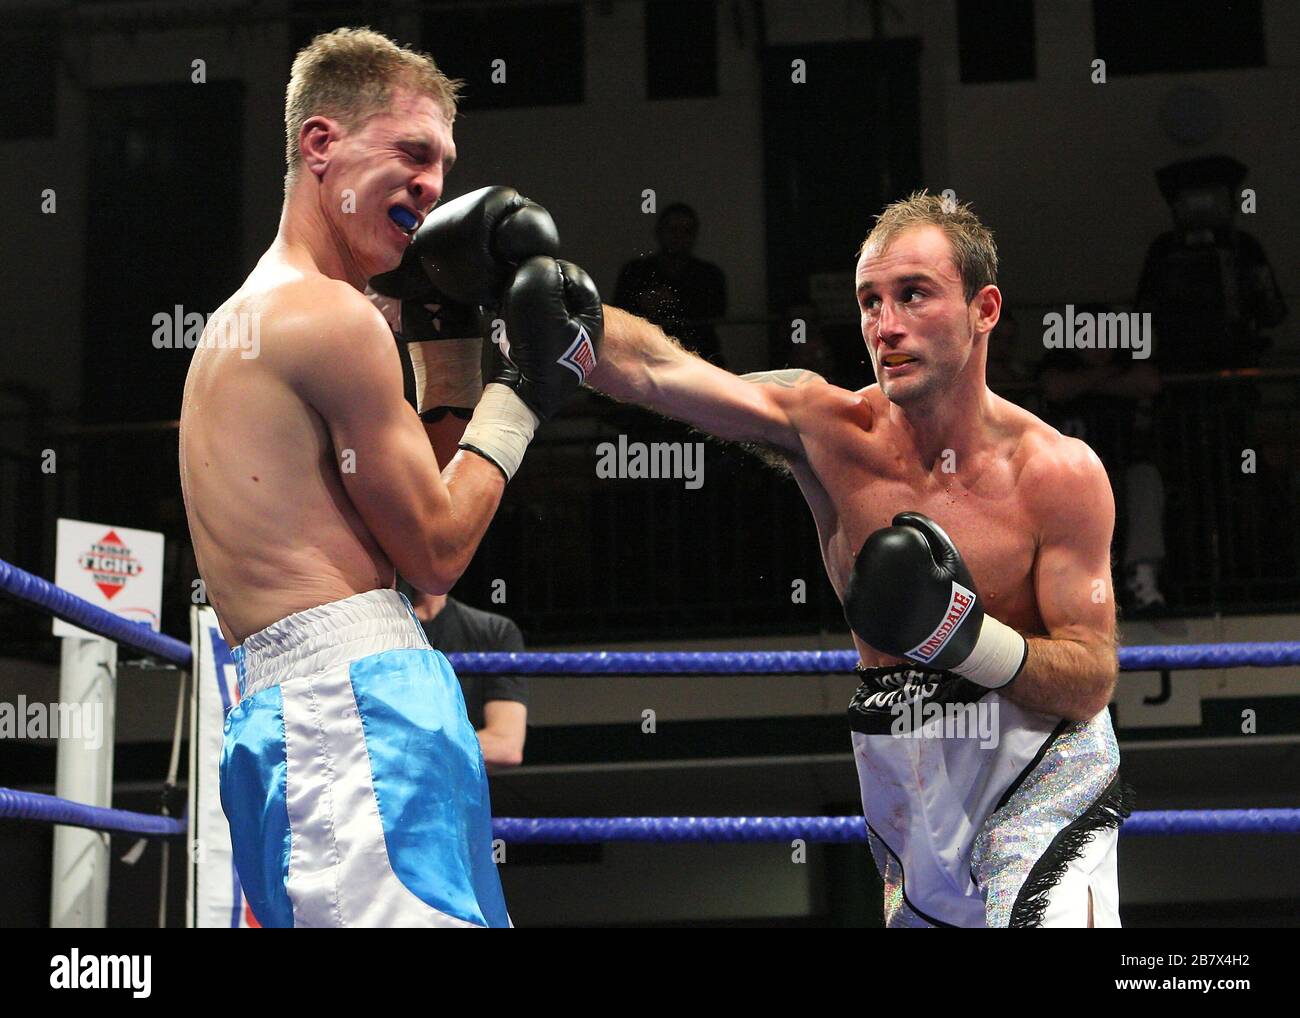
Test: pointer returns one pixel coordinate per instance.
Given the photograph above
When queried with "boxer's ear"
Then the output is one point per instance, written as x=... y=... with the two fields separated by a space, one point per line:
x=316 y=140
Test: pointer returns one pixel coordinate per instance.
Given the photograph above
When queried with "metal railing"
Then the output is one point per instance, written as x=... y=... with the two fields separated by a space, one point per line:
x=585 y=558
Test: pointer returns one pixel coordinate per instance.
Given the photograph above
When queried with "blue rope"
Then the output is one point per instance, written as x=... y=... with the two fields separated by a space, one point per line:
x=58 y=602
x=16 y=805
x=588 y=830
x=1210 y=655
x=43 y=594
x=1213 y=821
x=819 y=662
x=638 y=662
x=584 y=830
x=34 y=806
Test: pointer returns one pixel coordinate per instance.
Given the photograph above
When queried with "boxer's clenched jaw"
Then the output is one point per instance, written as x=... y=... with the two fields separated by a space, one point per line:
x=377 y=180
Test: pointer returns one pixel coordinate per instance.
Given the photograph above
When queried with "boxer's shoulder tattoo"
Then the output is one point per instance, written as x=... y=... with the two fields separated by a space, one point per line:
x=787 y=378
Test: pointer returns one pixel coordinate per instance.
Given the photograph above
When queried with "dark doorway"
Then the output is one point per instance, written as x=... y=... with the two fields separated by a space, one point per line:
x=837 y=148
x=164 y=228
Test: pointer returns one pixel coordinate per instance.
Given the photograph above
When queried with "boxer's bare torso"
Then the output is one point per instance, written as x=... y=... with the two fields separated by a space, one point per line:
x=860 y=470
x=274 y=531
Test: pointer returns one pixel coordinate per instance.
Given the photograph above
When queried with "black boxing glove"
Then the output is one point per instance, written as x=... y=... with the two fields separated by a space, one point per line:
x=468 y=249
x=462 y=258
x=554 y=328
x=912 y=596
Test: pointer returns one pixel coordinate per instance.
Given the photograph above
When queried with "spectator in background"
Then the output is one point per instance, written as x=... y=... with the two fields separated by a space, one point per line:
x=497 y=705
x=1105 y=397
x=1207 y=284
x=672 y=288
x=1211 y=294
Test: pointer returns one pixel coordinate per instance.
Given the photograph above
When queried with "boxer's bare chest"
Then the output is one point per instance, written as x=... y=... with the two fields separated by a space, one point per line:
x=861 y=479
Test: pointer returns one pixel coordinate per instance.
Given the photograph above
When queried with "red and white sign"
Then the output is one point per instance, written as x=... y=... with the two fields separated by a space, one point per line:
x=118 y=569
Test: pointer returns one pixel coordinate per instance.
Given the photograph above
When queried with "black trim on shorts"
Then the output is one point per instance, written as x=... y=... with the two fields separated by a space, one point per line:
x=1014 y=787
x=1108 y=812
x=902 y=881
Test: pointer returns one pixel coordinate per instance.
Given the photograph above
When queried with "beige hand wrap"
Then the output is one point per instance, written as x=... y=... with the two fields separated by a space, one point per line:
x=501 y=428
x=448 y=372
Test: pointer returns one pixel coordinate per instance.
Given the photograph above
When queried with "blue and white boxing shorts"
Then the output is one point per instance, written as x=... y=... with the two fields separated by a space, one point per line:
x=352 y=778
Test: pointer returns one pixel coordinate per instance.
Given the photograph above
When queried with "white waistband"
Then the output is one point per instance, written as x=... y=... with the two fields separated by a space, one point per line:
x=330 y=634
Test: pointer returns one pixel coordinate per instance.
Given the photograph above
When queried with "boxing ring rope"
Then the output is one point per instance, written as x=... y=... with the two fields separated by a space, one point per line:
x=16 y=805
x=79 y=891
x=40 y=593
x=1157 y=657
x=588 y=830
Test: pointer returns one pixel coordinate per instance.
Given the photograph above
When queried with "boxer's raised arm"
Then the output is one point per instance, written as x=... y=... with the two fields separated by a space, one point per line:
x=1072 y=673
x=640 y=364
x=345 y=365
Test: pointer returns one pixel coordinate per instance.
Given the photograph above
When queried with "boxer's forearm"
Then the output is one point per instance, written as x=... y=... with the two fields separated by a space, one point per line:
x=444 y=437
x=474 y=487
x=640 y=364
x=1068 y=678
x=633 y=349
